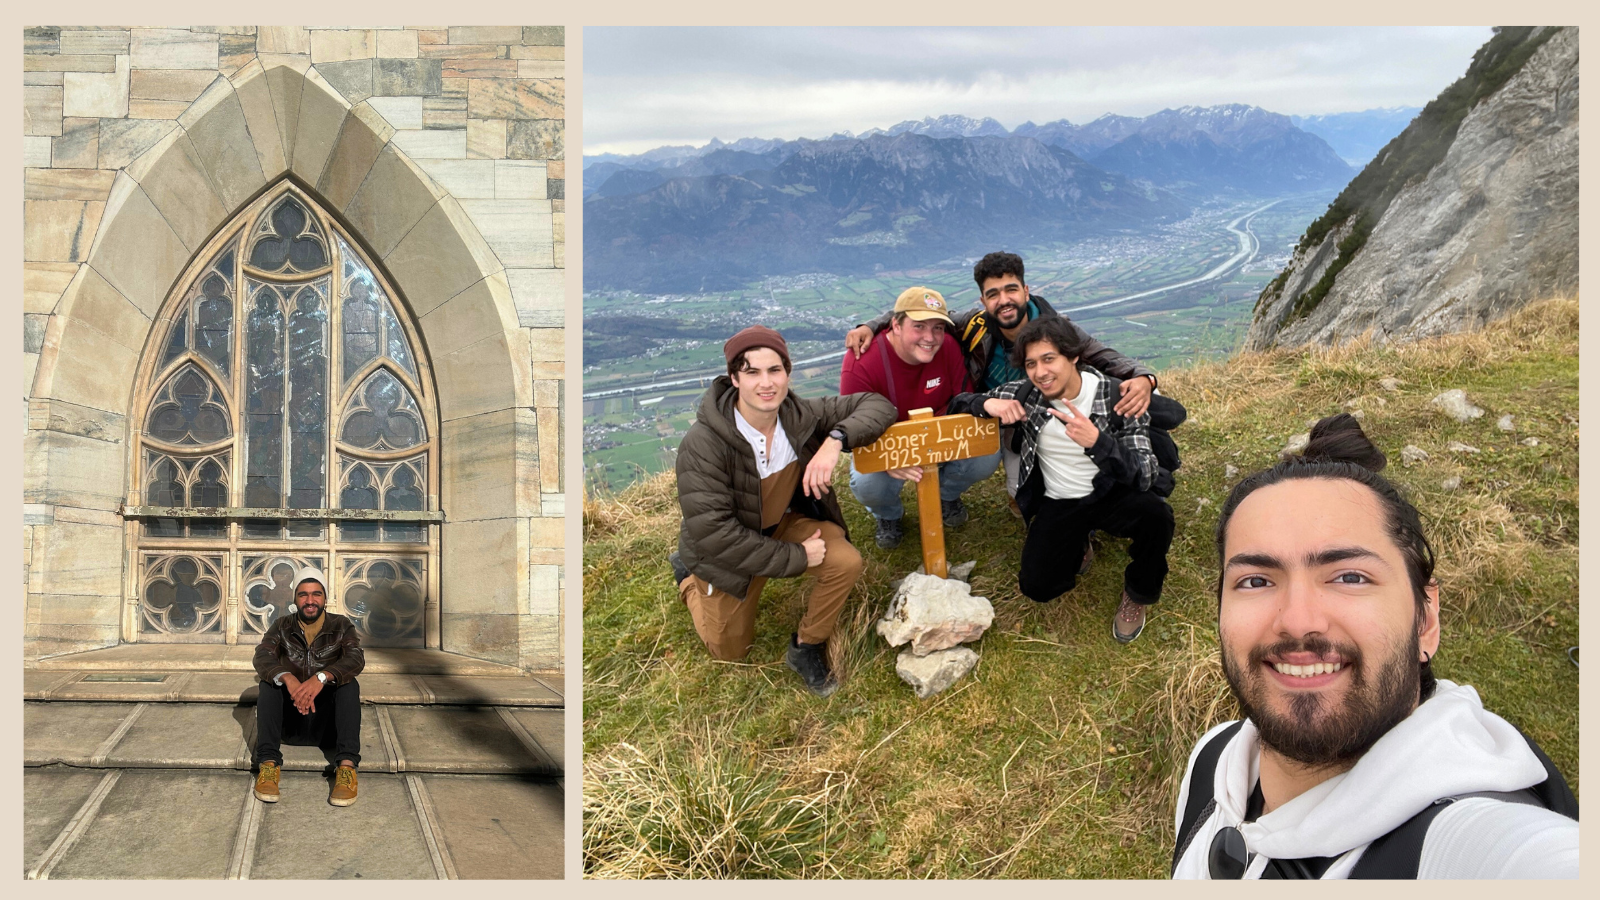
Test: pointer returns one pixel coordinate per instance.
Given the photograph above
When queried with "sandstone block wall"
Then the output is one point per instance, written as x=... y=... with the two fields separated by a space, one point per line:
x=442 y=147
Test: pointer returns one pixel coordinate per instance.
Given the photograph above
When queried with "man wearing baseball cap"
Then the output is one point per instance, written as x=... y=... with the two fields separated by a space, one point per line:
x=754 y=472
x=913 y=365
x=307 y=664
x=986 y=335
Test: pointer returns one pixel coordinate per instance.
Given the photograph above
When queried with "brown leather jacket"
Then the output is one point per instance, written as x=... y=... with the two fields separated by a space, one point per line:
x=337 y=650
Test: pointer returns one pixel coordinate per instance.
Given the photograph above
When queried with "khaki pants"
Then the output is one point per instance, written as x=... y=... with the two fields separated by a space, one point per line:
x=727 y=625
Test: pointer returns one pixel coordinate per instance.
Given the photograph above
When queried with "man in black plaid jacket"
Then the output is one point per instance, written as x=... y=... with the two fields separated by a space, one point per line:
x=1084 y=467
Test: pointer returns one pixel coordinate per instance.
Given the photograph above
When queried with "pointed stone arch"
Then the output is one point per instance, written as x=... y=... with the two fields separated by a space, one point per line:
x=278 y=118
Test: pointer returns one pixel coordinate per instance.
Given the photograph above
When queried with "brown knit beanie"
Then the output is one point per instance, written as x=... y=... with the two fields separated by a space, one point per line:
x=756 y=336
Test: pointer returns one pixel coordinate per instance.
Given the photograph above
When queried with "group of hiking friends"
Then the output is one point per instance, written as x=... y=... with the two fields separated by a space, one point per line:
x=1352 y=759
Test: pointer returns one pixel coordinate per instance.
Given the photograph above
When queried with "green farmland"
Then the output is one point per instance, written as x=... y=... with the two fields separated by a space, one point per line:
x=666 y=348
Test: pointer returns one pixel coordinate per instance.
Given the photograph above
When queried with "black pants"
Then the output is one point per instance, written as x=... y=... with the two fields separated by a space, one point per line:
x=335 y=726
x=1059 y=532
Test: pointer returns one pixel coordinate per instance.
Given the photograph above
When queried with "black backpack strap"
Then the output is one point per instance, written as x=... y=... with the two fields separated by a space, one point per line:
x=1202 y=789
x=1553 y=793
x=1398 y=854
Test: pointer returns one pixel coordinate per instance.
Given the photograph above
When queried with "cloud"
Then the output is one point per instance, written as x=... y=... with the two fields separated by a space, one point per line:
x=647 y=87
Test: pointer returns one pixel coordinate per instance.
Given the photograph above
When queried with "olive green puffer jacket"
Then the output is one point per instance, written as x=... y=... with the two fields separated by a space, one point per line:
x=719 y=488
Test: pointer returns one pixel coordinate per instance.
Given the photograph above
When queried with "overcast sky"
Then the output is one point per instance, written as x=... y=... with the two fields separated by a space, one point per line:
x=647 y=87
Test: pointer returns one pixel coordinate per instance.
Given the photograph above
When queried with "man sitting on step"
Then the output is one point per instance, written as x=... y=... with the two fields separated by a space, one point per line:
x=307 y=664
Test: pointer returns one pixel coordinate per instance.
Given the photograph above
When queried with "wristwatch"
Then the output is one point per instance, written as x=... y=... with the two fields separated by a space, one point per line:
x=839 y=435
x=322 y=677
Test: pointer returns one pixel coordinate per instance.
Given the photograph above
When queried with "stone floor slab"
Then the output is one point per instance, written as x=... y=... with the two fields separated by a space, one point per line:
x=172 y=735
x=37 y=685
x=51 y=796
x=382 y=688
x=547 y=727
x=301 y=836
x=219 y=687
x=122 y=691
x=499 y=827
x=160 y=824
x=456 y=739
x=489 y=691
x=555 y=681
x=68 y=732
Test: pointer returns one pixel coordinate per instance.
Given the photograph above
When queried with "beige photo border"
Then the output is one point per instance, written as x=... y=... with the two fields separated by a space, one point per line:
x=574 y=15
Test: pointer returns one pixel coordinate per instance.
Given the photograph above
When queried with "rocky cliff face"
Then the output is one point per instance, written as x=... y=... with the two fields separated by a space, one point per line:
x=1491 y=227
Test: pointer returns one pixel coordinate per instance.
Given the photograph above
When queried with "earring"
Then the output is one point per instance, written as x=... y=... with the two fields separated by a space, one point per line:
x=1425 y=657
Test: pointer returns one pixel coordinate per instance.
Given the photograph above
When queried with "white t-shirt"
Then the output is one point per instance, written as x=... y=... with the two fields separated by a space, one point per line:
x=769 y=459
x=1068 y=470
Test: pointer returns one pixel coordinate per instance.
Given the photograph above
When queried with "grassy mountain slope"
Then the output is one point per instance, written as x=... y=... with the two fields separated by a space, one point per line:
x=1060 y=754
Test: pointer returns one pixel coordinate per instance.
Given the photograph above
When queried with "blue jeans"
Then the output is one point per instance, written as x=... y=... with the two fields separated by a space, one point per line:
x=879 y=492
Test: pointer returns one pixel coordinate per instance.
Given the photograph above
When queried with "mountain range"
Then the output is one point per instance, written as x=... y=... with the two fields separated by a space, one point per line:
x=687 y=218
x=1201 y=150
x=852 y=205
x=1358 y=136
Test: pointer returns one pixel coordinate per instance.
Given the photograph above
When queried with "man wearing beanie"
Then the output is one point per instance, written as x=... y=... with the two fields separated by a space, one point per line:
x=916 y=368
x=307 y=663
x=754 y=476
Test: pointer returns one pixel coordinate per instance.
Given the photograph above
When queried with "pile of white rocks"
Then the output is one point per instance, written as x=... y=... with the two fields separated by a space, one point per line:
x=935 y=616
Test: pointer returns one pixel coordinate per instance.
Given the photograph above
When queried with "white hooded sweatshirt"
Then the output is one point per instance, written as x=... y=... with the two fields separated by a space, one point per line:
x=1450 y=745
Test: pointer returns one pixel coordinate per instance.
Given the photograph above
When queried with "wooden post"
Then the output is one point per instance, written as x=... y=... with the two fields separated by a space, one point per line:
x=927 y=440
x=930 y=516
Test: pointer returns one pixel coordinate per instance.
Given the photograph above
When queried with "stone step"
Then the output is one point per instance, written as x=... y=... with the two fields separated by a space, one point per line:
x=236 y=687
x=238 y=657
x=205 y=823
x=492 y=740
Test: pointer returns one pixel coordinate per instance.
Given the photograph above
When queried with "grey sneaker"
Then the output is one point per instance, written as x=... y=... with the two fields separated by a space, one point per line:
x=1129 y=620
x=810 y=661
x=954 y=512
x=889 y=533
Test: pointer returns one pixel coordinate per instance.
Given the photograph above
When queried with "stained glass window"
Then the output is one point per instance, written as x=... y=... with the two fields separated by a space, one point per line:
x=284 y=392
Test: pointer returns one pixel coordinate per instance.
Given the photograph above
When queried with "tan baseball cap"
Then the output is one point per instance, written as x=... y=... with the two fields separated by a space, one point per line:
x=923 y=303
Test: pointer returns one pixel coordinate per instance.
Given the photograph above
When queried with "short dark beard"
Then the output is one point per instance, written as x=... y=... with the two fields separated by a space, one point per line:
x=1022 y=312
x=1371 y=706
x=301 y=612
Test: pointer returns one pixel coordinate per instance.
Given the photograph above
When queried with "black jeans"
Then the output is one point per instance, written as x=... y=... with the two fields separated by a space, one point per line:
x=335 y=726
x=1058 y=534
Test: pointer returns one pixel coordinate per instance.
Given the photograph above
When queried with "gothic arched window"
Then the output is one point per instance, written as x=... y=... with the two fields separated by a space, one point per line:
x=286 y=419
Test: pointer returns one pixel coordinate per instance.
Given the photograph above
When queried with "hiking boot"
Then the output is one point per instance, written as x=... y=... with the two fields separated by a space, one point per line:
x=344 y=786
x=679 y=570
x=954 y=511
x=811 y=662
x=267 y=783
x=1016 y=510
x=1129 y=620
x=889 y=533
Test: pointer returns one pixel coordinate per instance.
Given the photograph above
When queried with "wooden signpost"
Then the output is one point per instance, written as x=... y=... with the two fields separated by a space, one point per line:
x=926 y=440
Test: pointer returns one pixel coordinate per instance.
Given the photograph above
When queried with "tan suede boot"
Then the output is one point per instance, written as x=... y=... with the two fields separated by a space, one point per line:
x=344 y=786
x=267 y=783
